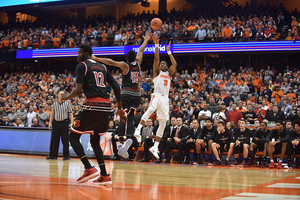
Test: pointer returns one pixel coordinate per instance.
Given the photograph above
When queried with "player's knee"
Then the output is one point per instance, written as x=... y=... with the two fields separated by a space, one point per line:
x=245 y=146
x=209 y=141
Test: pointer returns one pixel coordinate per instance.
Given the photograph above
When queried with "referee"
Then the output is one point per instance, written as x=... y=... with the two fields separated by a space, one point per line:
x=60 y=127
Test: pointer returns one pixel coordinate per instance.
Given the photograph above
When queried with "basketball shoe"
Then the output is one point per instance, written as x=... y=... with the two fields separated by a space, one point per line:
x=103 y=180
x=123 y=150
x=154 y=151
x=88 y=174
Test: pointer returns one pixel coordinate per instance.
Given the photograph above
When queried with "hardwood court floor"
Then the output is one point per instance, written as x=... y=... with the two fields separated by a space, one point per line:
x=33 y=177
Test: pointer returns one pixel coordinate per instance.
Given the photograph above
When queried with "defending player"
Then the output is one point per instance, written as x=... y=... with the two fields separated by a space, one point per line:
x=130 y=94
x=91 y=77
x=259 y=142
x=160 y=98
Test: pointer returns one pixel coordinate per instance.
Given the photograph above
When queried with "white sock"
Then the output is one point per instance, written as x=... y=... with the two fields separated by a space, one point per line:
x=156 y=144
x=280 y=160
x=272 y=160
x=219 y=159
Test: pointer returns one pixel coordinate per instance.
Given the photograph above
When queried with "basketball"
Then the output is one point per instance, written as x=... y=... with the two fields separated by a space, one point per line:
x=156 y=24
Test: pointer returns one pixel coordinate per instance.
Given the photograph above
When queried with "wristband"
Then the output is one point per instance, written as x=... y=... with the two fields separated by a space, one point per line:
x=169 y=52
x=156 y=45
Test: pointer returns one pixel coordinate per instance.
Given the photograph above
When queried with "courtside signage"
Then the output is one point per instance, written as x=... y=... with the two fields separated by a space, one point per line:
x=175 y=48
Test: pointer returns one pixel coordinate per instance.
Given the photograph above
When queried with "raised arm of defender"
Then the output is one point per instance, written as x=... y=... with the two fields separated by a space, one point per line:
x=139 y=56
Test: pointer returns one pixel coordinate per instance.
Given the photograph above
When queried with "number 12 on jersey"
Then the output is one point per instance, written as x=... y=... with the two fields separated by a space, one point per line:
x=99 y=78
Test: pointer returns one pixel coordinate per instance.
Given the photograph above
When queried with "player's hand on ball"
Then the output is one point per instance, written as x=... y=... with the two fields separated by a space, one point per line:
x=169 y=46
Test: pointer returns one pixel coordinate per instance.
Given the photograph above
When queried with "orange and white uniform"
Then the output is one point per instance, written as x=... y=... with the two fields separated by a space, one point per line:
x=160 y=97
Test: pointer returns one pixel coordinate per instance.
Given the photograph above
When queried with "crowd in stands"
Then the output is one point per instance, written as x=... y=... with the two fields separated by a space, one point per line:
x=199 y=25
x=265 y=94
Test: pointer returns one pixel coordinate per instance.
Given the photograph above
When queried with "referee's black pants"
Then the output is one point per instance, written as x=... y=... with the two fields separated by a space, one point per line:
x=59 y=129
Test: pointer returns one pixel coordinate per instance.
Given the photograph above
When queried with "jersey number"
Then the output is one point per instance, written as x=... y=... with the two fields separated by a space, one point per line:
x=165 y=82
x=135 y=77
x=99 y=78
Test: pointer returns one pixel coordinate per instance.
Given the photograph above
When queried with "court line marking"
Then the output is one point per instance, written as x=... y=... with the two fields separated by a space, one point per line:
x=297 y=177
x=70 y=184
x=285 y=185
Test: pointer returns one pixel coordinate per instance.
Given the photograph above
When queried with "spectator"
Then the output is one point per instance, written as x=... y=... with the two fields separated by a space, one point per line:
x=18 y=122
x=234 y=115
x=201 y=34
x=42 y=116
x=30 y=115
x=35 y=123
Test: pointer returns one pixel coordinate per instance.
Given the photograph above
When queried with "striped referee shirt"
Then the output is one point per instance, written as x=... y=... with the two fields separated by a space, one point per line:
x=61 y=111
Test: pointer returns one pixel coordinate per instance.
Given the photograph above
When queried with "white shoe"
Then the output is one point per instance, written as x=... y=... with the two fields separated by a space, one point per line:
x=123 y=150
x=137 y=134
x=154 y=151
x=119 y=145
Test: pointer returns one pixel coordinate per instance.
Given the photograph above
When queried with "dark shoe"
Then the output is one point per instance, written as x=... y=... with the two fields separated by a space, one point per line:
x=187 y=162
x=116 y=158
x=249 y=163
x=235 y=164
x=167 y=161
x=128 y=159
x=225 y=162
x=144 y=160
x=158 y=161
x=243 y=164
x=199 y=161
x=51 y=158
x=263 y=164
x=218 y=163
x=66 y=158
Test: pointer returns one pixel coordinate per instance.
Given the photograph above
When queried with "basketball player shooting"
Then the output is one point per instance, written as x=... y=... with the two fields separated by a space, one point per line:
x=160 y=98
x=130 y=95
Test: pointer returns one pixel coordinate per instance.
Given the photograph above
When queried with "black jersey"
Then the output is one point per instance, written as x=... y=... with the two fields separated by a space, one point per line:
x=243 y=137
x=294 y=136
x=261 y=136
x=206 y=133
x=223 y=138
x=284 y=136
x=93 y=77
x=130 y=80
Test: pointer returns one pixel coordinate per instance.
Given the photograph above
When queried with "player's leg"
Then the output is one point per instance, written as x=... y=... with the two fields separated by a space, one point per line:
x=208 y=144
x=265 y=152
x=161 y=127
x=215 y=147
x=236 y=151
x=197 y=151
x=152 y=108
x=163 y=116
x=230 y=151
x=90 y=171
x=245 y=148
x=289 y=152
x=283 y=150
x=250 y=153
x=104 y=179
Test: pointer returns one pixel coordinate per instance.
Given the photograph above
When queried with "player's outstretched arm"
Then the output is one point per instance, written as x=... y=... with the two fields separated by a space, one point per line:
x=107 y=61
x=173 y=61
x=156 y=57
x=139 y=56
